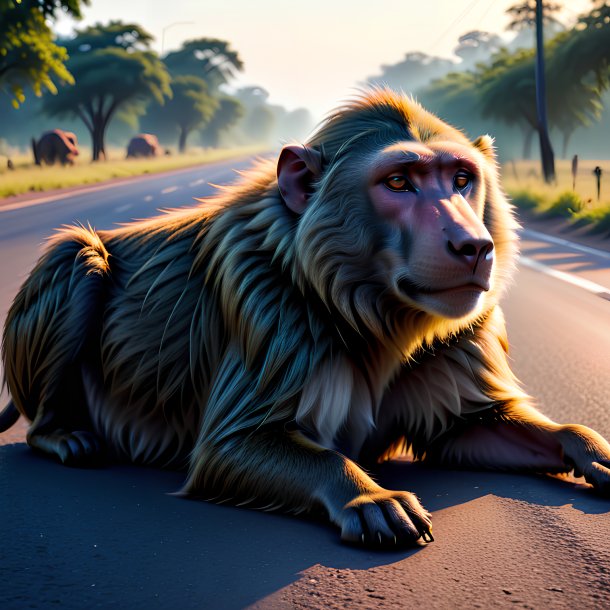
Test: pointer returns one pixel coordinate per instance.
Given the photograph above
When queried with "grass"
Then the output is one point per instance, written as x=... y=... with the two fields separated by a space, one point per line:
x=522 y=181
x=28 y=178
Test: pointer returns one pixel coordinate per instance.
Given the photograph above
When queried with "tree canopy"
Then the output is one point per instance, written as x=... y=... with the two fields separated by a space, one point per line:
x=477 y=46
x=523 y=14
x=228 y=113
x=113 y=75
x=29 y=56
x=211 y=59
x=412 y=72
x=191 y=107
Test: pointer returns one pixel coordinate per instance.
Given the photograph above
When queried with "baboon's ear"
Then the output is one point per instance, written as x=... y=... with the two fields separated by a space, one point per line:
x=297 y=168
x=486 y=145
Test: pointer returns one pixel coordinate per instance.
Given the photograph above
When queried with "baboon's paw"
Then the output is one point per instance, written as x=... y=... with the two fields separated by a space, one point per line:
x=598 y=475
x=589 y=454
x=77 y=448
x=385 y=519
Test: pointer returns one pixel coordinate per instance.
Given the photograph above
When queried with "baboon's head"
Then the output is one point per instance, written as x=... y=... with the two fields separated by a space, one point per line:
x=398 y=211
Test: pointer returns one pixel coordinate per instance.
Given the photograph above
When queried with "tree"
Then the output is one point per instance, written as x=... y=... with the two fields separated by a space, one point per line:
x=209 y=58
x=477 y=46
x=547 y=156
x=455 y=98
x=414 y=71
x=584 y=51
x=113 y=75
x=294 y=125
x=228 y=113
x=523 y=15
x=29 y=56
x=190 y=108
x=508 y=93
x=524 y=24
x=575 y=93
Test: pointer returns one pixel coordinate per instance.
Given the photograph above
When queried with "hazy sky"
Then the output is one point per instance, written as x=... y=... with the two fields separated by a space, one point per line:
x=313 y=53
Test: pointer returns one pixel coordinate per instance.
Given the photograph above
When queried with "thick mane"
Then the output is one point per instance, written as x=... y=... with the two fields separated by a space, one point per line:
x=380 y=112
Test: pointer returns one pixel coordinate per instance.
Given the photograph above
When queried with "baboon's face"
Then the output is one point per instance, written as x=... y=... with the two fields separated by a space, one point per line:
x=430 y=199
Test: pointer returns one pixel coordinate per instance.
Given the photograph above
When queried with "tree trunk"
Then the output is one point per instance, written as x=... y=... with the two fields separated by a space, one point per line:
x=546 y=150
x=98 y=141
x=566 y=140
x=182 y=140
x=527 y=144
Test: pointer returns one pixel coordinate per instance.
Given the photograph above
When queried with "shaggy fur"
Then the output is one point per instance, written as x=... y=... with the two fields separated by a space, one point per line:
x=266 y=350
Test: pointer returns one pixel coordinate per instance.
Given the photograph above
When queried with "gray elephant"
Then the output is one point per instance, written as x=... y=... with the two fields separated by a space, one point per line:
x=55 y=146
x=144 y=145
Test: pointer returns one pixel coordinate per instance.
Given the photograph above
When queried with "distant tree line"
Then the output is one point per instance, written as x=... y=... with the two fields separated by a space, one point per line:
x=108 y=74
x=494 y=84
x=108 y=80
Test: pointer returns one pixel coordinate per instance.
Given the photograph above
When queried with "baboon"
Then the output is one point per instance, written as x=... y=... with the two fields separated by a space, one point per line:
x=328 y=311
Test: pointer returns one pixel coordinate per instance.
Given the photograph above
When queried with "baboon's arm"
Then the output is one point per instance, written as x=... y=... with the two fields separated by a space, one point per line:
x=279 y=469
x=245 y=454
x=522 y=439
x=512 y=434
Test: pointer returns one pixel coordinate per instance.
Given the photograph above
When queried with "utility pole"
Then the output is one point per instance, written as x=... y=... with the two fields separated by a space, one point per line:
x=167 y=27
x=546 y=150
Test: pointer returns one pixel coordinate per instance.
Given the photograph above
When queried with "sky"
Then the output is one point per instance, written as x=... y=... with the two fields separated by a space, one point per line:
x=312 y=53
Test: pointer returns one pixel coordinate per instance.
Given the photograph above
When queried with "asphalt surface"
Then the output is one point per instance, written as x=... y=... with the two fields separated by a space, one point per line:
x=115 y=537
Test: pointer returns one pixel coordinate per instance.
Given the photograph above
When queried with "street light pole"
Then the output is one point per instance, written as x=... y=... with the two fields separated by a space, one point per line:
x=546 y=150
x=167 y=27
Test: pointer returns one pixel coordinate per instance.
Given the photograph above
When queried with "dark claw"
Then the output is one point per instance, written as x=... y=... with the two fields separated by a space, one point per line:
x=427 y=536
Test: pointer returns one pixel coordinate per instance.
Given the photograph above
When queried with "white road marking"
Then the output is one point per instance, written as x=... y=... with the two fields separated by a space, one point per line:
x=565 y=243
x=566 y=277
x=123 y=208
x=196 y=182
x=85 y=190
x=169 y=189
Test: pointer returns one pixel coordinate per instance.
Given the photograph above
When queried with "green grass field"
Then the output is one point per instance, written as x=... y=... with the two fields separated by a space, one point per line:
x=526 y=176
x=523 y=182
x=27 y=177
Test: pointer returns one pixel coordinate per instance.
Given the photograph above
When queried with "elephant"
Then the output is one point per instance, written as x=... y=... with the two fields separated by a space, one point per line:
x=144 y=145
x=55 y=146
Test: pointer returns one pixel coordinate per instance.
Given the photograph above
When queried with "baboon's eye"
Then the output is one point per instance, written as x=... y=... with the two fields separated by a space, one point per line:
x=399 y=182
x=462 y=180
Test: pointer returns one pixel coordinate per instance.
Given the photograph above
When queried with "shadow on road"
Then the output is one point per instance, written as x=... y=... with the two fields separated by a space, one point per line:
x=441 y=489
x=576 y=261
x=108 y=536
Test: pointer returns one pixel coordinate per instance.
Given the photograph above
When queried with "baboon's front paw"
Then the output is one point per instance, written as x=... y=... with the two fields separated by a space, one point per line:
x=385 y=518
x=589 y=454
x=597 y=473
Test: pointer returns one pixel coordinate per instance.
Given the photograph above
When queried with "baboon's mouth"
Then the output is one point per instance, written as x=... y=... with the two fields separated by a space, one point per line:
x=411 y=289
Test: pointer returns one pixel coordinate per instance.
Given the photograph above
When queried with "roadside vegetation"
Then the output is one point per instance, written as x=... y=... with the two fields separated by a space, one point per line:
x=28 y=178
x=573 y=200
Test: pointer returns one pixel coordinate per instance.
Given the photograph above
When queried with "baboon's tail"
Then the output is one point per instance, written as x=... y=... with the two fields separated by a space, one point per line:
x=51 y=319
x=8 y=416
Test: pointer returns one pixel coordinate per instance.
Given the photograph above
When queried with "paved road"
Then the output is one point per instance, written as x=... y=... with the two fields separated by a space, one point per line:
x=114 y=537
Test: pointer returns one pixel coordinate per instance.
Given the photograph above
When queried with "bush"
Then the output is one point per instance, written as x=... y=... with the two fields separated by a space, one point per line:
x=567 y=204
x=598 y=219
x=527 y=200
